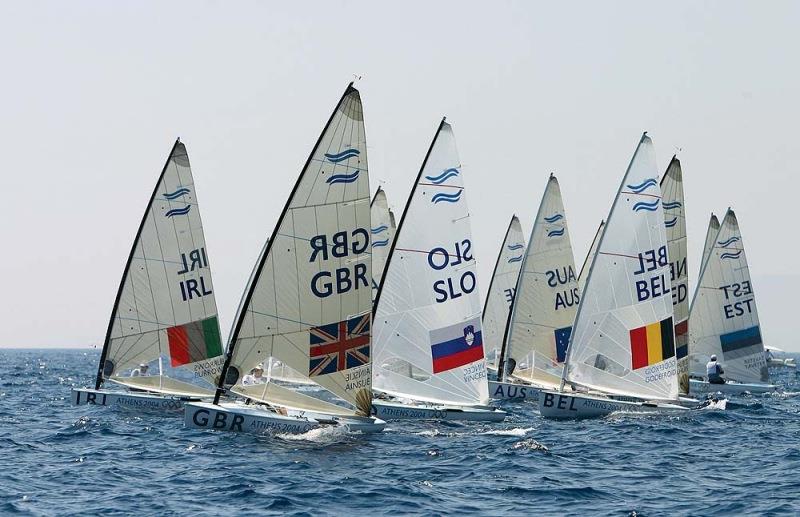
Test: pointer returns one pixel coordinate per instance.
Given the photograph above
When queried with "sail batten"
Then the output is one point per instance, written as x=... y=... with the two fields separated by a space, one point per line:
x=428 y=332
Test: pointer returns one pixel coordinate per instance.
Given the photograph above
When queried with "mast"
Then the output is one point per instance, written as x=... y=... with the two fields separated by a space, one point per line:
x=497 y=263
x=99 y=379
x=403 y=218
x=257 y=273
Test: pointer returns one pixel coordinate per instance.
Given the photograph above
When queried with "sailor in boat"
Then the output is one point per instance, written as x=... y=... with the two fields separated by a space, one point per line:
x=141 y=371
x=768 y=356
x=714 y=371
x=256 y=376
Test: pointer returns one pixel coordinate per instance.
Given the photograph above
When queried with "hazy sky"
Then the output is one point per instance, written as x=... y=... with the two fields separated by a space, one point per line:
x=94 y=94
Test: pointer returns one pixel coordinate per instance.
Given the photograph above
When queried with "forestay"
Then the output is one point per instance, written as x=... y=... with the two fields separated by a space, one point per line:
x=590 y=257
x=547 y=297
x=308 y=304
x=623 y=337
x=429 y=340
x=382 y=232
x=165 y=309
x=724 y=318
x=501 y=289
x=675 y=224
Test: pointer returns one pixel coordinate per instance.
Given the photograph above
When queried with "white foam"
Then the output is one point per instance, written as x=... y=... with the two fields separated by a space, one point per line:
x=323 y=434
x=517 y=431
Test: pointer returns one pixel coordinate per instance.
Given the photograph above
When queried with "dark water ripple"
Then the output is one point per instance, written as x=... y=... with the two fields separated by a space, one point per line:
x=61 y=460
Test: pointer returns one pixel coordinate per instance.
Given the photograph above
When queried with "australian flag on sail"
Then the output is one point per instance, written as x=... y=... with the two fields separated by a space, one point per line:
x=339 y=346
x=456 y=345
x=562 y=340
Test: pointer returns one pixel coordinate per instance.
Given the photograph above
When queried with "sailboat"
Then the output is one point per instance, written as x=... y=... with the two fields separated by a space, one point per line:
x=502 y=287
x=544 y=308
x=382 y=231
x=162 y=345
x=623 y=340
x=711 y=234
x=724 y=318
x=308 y=303
x=429 y=357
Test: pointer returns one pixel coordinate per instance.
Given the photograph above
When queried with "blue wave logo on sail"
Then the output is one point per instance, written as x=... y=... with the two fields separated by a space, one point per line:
x=731 y=255
x=514 y=247
x=342 y=156
x=644 y=205
x=447 y=198
x=342 y=178
x=672 y=222
x=558 y=232
x=378 y=244
x=641 y=187
x=379 y=229
x=178 y=193
x=178 y=211
x=514 y=259
x=728 y=242
x=669 y=205
x=444 y=176
x=554 y=218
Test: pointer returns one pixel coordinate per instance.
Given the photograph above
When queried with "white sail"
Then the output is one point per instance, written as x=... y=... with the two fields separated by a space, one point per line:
x=547 y=297
x=501 y=289
x=724 y=318
x=711 y=234
x=165 y=314
x=623 y=337
x=428 y=336
x=675 y=224
x=382 y=231
x=590 y=257
x=308 y=304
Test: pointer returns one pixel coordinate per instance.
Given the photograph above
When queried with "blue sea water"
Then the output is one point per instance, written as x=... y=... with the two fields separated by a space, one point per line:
x=59 y=460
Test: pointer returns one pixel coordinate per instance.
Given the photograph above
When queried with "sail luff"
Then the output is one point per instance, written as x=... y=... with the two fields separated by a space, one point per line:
x=589 y=256
x=246 y=301
x=497 y=263
x=107 y=341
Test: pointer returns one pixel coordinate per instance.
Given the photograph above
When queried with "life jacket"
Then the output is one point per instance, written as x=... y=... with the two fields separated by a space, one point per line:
x=712 y=369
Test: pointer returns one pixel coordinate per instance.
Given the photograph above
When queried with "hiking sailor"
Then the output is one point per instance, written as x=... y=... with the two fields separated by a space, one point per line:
x=714 y=371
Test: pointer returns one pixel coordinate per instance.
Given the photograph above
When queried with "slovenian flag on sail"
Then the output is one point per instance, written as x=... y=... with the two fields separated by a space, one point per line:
x=652 y=343
x=456 y=345
x=193 y=342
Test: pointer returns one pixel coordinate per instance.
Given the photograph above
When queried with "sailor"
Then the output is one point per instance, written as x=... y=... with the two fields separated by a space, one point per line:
x=714 y=371
x=256 y=376
x=768 y=355
x=141 y=371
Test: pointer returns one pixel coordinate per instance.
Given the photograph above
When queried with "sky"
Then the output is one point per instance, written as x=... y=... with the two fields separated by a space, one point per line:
x=95 y=93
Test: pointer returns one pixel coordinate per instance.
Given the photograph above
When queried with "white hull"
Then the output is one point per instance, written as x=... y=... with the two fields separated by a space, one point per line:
x=729 y=388
x=387 y=410
x=557 y=405
x=126 y=399
x=513 y=391
x=256 y=419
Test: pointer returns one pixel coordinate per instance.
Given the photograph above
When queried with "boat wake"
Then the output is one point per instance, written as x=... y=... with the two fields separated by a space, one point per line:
x=327 y=434
x=517 y=431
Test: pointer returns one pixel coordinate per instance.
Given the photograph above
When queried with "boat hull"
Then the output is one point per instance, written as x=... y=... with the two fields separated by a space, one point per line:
x=256 y=420
x=513 y=391
x=128 y=400
x=557 y=405
x=386 y=410
x=729 y=388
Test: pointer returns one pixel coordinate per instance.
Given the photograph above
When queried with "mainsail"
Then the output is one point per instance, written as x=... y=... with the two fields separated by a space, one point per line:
x=428 y=337
x=724 y=318
x=547 y=297
x=590 y=257
x=382 y=231
x=501 y=289
x=308 y=304
x=623 y=339
x=165 y=309
x=675 y=223
x=711 y=234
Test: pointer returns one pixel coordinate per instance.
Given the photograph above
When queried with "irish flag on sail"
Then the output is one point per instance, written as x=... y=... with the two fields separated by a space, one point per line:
x=193 y=342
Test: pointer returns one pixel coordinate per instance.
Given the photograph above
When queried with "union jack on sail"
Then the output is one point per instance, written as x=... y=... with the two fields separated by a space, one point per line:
x=339 y=346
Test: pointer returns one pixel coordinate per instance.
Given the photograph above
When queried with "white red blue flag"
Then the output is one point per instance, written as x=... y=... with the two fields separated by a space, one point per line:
x=339 y=346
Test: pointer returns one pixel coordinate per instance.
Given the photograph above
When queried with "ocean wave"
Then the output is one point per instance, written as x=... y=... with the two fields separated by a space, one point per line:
x=641 y=187
x=514 y=259
x=378 y=244
x=514 y=247
x=379 y=229
x=558 y=232
x=448 y=198
x=671 y=222
x=651 y=206
x=178 y=211
x=554 y=218
x=669 y=205
x=728 y=242
x=444 y=176
x=178 y=193
x=731 y=255
x=342 y=156
x=342 y=178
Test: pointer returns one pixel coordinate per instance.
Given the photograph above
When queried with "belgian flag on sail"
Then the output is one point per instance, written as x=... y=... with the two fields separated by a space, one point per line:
x=194 y=341
x=652 y=343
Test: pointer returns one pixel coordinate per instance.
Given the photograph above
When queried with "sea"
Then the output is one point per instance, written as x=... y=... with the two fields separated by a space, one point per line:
x=63 y=460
